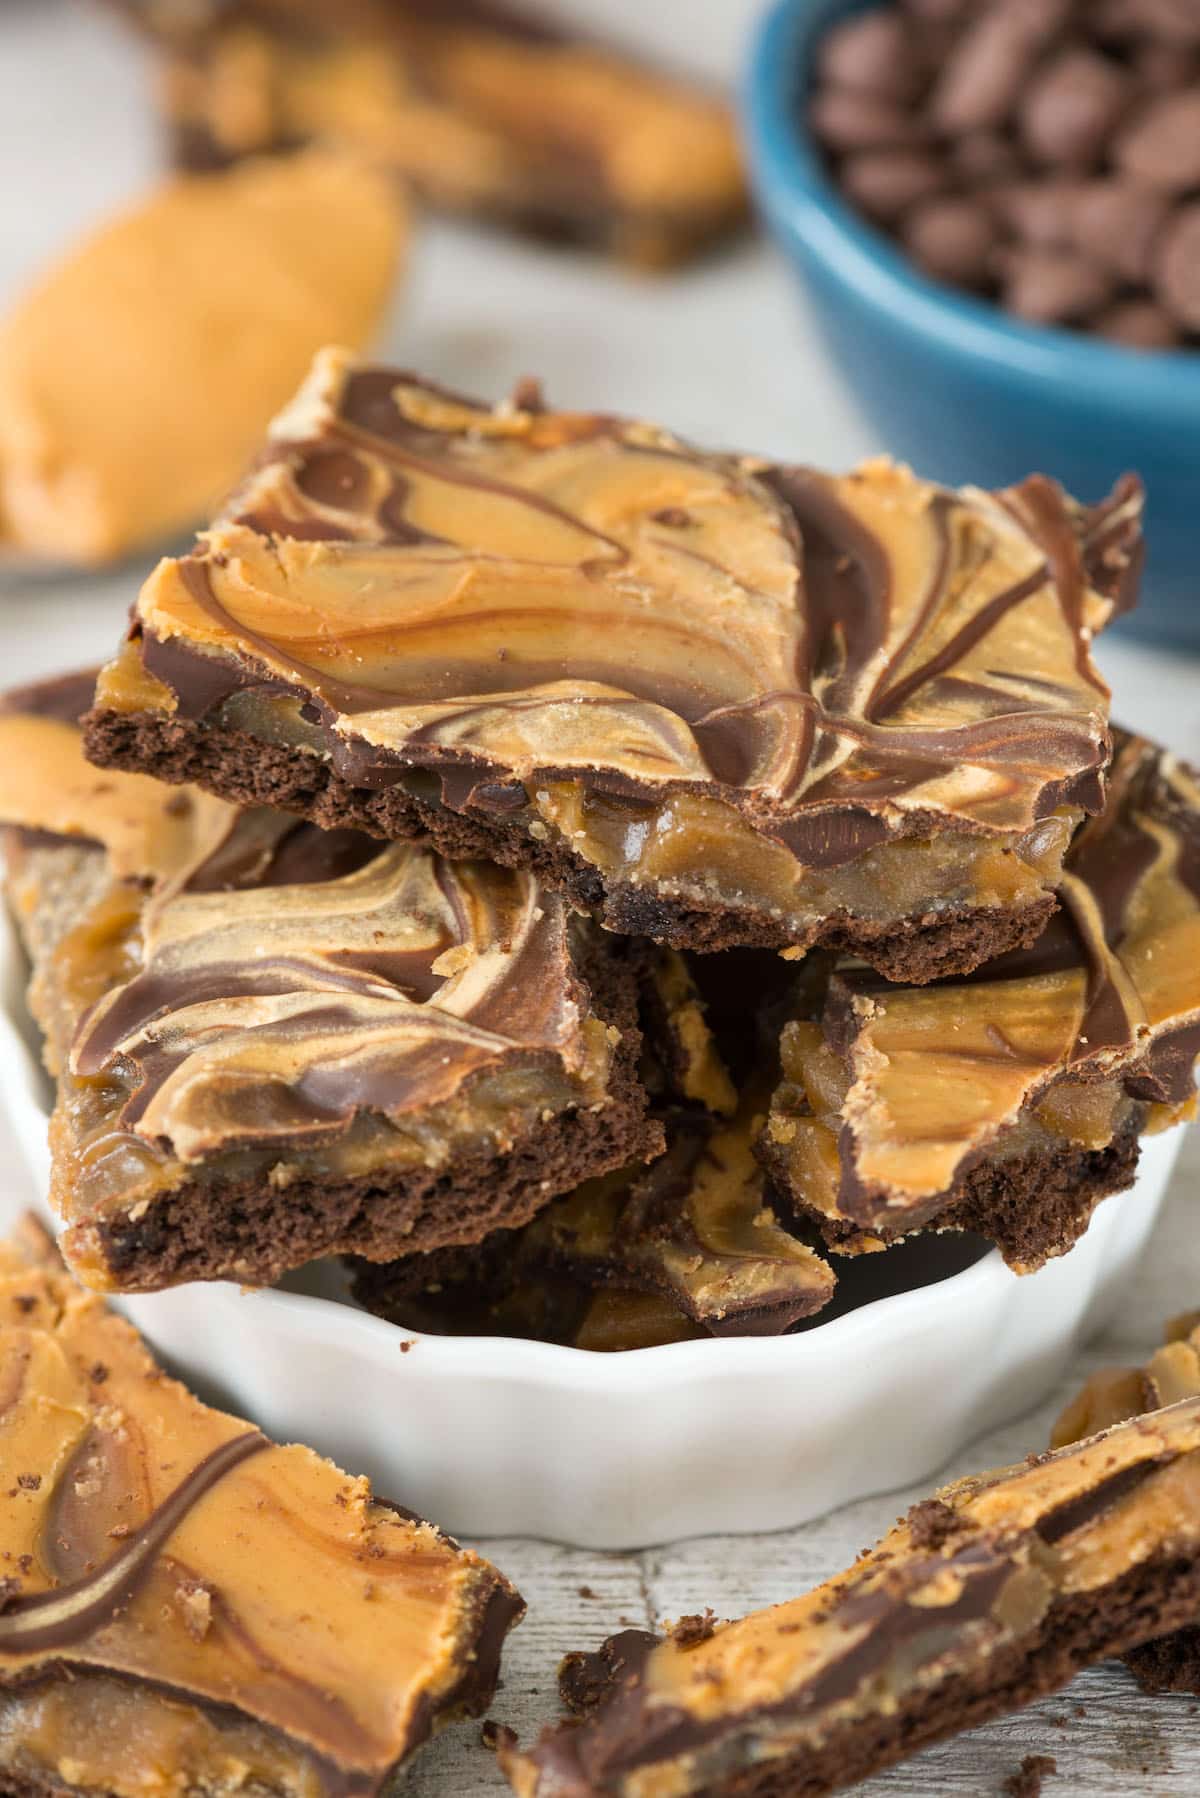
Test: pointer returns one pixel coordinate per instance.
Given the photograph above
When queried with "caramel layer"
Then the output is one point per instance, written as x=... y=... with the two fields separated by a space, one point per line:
x=185 y=1606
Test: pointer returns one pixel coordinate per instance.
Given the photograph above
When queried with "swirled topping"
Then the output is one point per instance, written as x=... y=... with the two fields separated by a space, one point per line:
x=993 y=1591
x=702 y=673
x=282 y=1008
x=893 y=1098
x=563 y=591
x=178 y=1594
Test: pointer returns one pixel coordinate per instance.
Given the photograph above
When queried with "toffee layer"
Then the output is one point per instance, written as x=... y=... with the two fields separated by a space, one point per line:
x=273 y=1042
x=995 y=1591
x=478 y=108
x=717 y=700
x=184 y=1606
x=1011 y=1101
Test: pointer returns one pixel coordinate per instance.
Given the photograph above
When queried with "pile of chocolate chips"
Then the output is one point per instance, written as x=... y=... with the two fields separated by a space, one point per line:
x=1044 y=153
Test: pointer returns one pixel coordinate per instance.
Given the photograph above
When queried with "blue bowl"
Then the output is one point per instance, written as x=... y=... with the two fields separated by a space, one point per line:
x=953 y=384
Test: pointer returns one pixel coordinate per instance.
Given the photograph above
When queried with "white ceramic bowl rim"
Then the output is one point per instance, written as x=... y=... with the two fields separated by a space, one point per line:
x=798 y=194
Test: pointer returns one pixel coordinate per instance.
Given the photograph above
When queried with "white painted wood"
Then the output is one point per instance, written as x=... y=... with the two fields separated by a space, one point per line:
x=726 y=354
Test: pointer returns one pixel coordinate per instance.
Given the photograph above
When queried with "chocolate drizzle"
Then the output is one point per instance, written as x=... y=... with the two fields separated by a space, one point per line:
x=50 y=1622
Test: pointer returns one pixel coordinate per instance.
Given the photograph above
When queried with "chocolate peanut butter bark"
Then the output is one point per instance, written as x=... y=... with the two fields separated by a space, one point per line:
x=1171 y=1663
x=273 y=1042
x=714 y=700
x=186 y=1607
x=484 y=109
x=988 y=1595
x=1011 y=1102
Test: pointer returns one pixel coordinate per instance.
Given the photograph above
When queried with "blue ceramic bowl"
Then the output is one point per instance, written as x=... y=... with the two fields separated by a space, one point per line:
x=954 y=385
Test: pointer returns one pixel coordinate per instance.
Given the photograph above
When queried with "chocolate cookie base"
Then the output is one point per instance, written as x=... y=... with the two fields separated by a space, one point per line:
x=1148 y=1601
x=1168 y=1664
x=254 y=1229
x=239 y=766
x=1033 y=1206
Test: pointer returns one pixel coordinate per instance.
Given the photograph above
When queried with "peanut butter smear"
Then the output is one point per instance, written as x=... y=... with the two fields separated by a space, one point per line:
x=895 y=1094
x=185 y=1606
x=998 y=1588
x=477 y=108
x=137 y=376
x=226 y=991
x=733 y=684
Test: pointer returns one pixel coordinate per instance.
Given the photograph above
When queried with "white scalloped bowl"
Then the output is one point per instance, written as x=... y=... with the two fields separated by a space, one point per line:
x=493 y=1436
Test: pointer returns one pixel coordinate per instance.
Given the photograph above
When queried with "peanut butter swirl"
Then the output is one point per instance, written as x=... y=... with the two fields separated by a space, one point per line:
x=995 y=1590
x=283 y=1010
x=894 y=1097
x=178 y=1594
x=705 y=674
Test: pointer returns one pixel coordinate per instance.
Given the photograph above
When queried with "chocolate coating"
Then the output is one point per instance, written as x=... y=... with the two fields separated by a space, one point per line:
x=705 y=678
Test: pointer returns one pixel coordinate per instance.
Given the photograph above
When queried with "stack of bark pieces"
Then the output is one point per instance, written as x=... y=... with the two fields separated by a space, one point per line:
x=599 y=885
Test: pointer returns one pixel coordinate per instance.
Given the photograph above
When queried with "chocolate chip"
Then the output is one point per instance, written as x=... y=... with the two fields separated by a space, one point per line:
x=886 y=183
x=953 y=240
x=985 y=156
x=1177 y=266
x=1040 y=213
x=1115 y=222
x=847 y=121
x=985 y=74
x=1140 y=325
x=1046 y=152
x=1074 y=102
x=1161 y=144
x=874 y=54
x=938 y=12
x=1054 y=287
x=1165 y=68
x=29 y=1482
